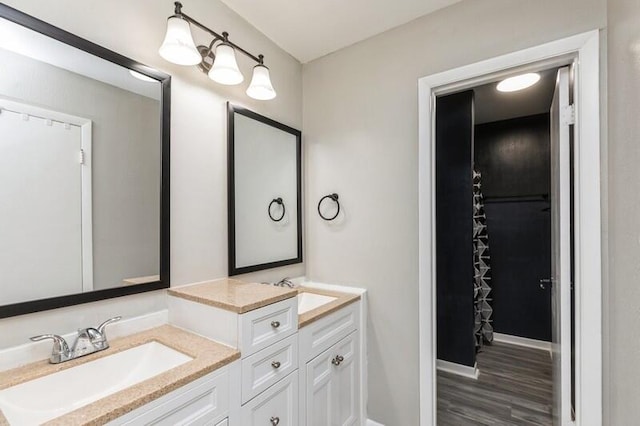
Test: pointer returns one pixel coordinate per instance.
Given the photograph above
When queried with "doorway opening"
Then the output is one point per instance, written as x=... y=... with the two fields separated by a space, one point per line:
x=580 y=204
x=498 y=208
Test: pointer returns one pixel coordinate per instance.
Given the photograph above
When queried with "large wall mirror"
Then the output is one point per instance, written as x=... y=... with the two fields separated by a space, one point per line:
x=84 y=161
x=265 y=220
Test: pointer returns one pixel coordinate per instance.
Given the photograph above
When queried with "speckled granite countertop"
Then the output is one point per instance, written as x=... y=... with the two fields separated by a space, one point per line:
x=207 y=357
x=342 y=300
x=233 y=295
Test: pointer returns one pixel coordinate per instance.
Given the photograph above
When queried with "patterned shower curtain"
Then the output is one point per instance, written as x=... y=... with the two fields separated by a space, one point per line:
x=483 y=331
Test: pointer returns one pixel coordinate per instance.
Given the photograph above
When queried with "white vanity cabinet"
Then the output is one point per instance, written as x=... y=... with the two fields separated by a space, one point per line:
x=331 y=370
x=265 y=391
x=268 y=342
x=287 y=376
x=205 y=401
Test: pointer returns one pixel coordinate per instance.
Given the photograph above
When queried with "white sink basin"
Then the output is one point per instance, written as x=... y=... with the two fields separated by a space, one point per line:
x=310 y=301
x=48 y=397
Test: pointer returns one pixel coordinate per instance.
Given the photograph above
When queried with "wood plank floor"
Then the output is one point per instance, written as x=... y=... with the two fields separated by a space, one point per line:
x=514 y=388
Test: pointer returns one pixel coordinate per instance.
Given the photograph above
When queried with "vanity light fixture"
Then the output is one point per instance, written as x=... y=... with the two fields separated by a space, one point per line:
x=217 y=61
x=260 y=87
x=519 y=82
x=225 y=68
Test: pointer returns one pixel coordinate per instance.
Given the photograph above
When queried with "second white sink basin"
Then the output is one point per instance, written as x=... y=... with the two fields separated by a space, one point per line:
x=51 y=396
x=310 y=301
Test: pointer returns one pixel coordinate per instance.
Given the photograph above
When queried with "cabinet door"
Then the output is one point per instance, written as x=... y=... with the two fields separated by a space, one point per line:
x=320 y=392
x=346 y=378
x=333 y=385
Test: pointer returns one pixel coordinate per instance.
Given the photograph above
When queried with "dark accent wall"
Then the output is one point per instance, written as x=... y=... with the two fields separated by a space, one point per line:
x=514 y=159
x=513 y=156
x=454 y=228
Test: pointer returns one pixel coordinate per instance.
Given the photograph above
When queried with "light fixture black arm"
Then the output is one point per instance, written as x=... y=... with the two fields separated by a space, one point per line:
x=217 y=37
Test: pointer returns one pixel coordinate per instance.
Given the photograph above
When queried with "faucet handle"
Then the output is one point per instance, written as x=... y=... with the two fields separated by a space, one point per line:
x=286 y=281
x=86 y=340
x=91 y=333
x=60 y=345
x=101 y=327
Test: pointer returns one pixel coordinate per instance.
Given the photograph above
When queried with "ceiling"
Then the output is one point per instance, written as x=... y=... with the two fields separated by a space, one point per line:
x=491 y=105
x=309 y=29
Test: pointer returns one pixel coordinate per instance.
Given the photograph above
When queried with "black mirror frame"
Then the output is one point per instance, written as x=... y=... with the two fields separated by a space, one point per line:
x=231 y=111
x=63 y=36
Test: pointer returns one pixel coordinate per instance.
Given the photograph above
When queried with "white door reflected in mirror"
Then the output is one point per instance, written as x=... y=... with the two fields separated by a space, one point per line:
x=46 y=226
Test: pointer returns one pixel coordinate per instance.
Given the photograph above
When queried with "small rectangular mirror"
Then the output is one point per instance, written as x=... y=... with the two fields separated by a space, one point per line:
x=265 y=220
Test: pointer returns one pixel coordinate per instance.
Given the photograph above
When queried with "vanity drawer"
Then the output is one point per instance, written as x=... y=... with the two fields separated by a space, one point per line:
x=203 y=401
x=262 y=327
x=320 y=335
x=262 y=369
x=277 y=406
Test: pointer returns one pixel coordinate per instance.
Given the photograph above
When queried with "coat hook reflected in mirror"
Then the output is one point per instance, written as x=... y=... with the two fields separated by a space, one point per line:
x=334 y=198
x=279 y=202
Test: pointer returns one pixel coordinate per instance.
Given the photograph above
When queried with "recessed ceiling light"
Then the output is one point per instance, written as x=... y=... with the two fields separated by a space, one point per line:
x=142 y=77
x=519 y=82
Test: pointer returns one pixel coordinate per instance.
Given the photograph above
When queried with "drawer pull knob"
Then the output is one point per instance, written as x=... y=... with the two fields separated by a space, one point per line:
x=337 y=360
x=275 y=421
x=275 y=364
x=275 y=324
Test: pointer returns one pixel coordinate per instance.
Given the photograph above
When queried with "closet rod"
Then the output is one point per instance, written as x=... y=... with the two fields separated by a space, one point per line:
x=516 y=198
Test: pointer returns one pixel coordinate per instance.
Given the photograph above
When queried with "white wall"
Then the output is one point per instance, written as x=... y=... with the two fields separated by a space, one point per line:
x=198 y=139
x=622 y=331
x=361 y=136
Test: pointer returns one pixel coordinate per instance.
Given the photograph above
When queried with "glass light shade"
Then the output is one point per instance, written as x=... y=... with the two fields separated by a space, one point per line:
x=178 y=46
x=261 y=87
x=225 y=68
x=519 y=82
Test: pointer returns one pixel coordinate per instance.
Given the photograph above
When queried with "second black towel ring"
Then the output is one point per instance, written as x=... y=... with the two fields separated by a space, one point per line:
x=333 y=197
x=281 y=203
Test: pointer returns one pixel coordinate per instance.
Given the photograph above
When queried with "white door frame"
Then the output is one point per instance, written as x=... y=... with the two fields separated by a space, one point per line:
x=588 y=292
x=86 y=227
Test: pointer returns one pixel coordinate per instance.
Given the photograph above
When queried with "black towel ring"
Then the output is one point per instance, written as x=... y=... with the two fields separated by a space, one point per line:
x=277 y=201
x=333 y=197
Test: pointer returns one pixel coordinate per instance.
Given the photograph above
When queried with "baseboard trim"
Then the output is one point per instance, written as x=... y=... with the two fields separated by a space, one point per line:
x=459 y=369
x=522 y=341
x=370 y=422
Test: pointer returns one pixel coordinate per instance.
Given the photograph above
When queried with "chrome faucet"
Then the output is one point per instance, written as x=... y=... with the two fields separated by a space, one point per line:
x=285 y=282
x=88 y=341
